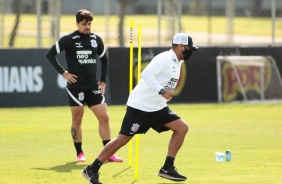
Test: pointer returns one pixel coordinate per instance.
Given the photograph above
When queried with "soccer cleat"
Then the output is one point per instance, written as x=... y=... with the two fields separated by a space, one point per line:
x=171 y=174
x=81 y=157
x=91 y=176
x=114 y=158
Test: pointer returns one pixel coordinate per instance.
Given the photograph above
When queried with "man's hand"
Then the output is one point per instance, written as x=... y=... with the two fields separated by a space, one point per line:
x=102 y=87
x=167 y=95
x=71 y=78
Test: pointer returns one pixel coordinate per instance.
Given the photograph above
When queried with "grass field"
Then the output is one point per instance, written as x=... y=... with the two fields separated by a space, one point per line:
x=244 y=26
x=36 y=146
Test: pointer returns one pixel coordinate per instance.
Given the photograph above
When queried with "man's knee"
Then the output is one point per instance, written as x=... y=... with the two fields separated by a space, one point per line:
x=185 y=128
x=76 y=120
x=123 y=140
x=103 y=118
x=182 y=127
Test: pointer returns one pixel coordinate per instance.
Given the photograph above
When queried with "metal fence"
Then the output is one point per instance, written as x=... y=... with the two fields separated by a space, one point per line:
x=39 y=23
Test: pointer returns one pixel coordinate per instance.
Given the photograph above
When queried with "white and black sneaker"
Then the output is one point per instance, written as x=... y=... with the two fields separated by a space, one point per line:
x=91 y=175
x=171 y=174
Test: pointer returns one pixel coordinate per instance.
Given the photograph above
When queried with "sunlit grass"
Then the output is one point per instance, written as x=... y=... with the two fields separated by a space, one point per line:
x=36 y=146
x=103 y=26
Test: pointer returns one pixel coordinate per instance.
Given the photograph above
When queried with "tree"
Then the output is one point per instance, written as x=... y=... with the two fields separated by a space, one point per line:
x=257 y=8
x=121 y=13
x=17 y=10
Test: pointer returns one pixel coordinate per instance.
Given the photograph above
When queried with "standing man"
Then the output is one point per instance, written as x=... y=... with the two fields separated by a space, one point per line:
x=81 y=48
x=147 y=108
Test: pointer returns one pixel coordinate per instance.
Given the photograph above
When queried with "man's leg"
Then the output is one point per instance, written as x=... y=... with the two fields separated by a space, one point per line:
x=91 y=172
x=180 y=129
x=113 y=146
x=76 y=132
x=101 y=112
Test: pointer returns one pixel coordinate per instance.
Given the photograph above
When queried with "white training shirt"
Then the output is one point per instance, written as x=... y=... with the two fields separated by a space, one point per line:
x=162 y=72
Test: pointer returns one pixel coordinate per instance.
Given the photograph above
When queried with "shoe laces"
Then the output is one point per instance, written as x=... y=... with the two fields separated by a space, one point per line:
x=171 y=167
x=97 y=174
x=174 y=169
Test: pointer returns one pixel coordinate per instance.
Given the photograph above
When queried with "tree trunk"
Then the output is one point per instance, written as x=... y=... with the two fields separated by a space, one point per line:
x=17 y=8
x=121 y=13
x=257 y=8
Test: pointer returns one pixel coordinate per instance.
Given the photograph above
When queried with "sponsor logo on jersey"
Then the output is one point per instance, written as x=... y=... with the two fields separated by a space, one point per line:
x=96 y=92
x=93 y=43
x=75 y=37
x=171 y=85
x=84 y=52
x=78 y=45
x=83 y=57
x=171 y=112
x=93 y=36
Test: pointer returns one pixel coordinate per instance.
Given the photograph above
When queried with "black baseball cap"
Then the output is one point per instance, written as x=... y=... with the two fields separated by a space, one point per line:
x=184 y=39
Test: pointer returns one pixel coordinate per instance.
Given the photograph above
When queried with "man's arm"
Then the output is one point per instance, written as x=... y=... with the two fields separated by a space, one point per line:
x=103 y=58
x=104 y=68
x=149 y=74
x=104 y=73
x=51 y=56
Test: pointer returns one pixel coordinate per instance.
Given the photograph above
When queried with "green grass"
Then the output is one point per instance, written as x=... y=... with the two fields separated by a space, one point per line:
x=36 y=146
x=242 y=26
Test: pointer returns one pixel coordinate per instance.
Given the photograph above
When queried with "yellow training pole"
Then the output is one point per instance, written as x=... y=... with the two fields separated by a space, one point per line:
x=139 y=52
x=130 y=82
x=138 y=79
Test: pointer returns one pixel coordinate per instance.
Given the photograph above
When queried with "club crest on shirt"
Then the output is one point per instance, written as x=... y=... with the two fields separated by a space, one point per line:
x=80 y=96
x=135 y=127
x=93 y=43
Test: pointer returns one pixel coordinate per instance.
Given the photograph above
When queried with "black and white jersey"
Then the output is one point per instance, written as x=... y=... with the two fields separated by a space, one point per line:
x=81 y=52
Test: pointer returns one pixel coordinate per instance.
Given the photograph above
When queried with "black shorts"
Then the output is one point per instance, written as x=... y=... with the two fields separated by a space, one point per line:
x=78 y=97
x=137 y=122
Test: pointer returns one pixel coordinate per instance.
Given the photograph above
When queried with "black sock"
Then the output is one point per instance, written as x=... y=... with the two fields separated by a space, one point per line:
x=106 y=142
x=96 y=164
x=169 y=161
x=78 y=148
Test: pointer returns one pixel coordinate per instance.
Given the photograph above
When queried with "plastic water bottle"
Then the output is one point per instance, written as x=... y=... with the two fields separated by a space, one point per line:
x=228 y=155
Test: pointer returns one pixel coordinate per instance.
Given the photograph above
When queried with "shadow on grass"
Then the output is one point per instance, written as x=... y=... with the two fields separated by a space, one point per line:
x=117 y=174
x=171 y=183
x=121 y=172
x=68 y=167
